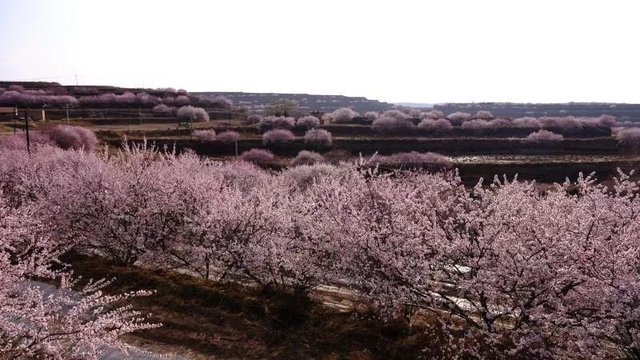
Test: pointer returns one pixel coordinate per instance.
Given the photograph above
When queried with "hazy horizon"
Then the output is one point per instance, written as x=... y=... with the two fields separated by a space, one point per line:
x=398 y=52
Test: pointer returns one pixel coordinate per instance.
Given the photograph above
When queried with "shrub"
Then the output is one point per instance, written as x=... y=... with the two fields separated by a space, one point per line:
x=73 y=137
x=205 y=135
x=476 y=125
x=306 y=157
x=629 y=139
x=308 y=122
x=484 y=115
x=457 y=118
x=228 y=136
x=427 y=161
x=191 y=113
x=433 y=114
x=370 y=116
x=19 y=142
x=431 y=125
x=221 y=102
x=500 y=123
x=276 y=122
x=318 y=137
x=566 y=124
x=628 y=135
x=388 y=124
x=277 y=136
x=527 y=122
x=258 y=156
x=396 y=114
x=542 y=136
x=415 y=113
x=163 y=109
x=343 y=115
x=608 y=120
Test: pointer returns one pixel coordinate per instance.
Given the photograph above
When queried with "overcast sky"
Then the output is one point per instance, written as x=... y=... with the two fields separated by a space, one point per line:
x=411 y=51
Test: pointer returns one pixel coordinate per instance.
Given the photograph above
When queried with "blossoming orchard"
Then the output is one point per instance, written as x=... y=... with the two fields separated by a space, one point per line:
x=502 y=269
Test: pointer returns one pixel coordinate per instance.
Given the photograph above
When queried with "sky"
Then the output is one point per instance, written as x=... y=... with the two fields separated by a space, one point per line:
x=396 y=51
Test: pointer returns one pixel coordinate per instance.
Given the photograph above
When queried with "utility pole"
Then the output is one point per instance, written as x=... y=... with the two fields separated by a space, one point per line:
x=76 y=75
x=26 y=128
x=236 y=149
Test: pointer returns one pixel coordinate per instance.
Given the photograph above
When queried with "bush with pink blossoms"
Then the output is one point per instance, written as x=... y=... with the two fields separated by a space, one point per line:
x=396 y=114
x=629 y=139
x=163 y=109
x=306 y=157
x=436 y=126
x=228 y=136
x=390 y=124
x=527 y=122
x=457 y=118
x=221 y=102
x=415 y=160
x=433 y=114
x=607 y=120
x=190 y=113
x=19 y=141
x=258 y=156
x=483 y=114
x=370 y=116
x=73 y=137
x=318 y=137
x=204 y=135
x=276 y=122
x=277 y=136
x=500 y=123
x=343 y=115
x=476 y=125
x=308 y=122
x=542 y=136
x=414 y=113
x=303 y=176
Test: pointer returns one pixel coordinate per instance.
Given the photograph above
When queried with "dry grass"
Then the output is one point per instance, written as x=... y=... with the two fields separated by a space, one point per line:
x=203 y=319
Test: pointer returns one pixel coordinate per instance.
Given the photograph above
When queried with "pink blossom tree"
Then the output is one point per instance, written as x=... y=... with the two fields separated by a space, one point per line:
x=308 y=122
x=389 y=124
x=343 y=115
x=43 y=321
x=190 y=113
x=306 y=157
x=318 y=137
x=277 y=136
x=72 y=137
x=258 y=156
x=228 y=137
x=276 y=122
x=457 y=118
x=205 y=135
x=163 y=109
x=436 y=126
x=542 y=136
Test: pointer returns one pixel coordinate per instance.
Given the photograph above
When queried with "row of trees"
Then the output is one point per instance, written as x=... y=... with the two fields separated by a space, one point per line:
x=503 y=269
x=16 y=95
x=313 y=137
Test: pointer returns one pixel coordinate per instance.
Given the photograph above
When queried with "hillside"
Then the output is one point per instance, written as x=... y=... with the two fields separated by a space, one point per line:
x=307 y=103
